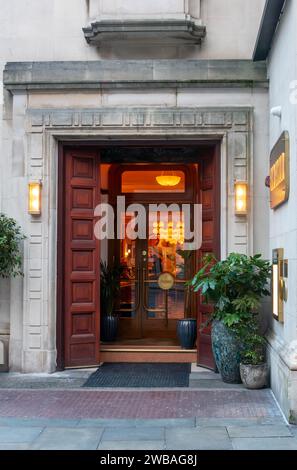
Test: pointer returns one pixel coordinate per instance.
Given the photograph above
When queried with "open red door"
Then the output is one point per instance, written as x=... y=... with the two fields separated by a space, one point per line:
x=210 y=200
x=82 y=259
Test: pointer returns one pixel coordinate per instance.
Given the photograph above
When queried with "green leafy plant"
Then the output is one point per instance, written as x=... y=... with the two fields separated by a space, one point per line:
x=10 y=254
x=254 y=345
x=109 y=286
x=234 y=286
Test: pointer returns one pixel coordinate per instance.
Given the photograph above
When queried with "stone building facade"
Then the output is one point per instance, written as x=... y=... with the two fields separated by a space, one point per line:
x=105 y=71
x=282 y=70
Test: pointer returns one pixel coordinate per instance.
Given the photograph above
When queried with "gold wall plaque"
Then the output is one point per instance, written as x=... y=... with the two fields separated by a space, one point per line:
x=280 y=171
x=166 y=281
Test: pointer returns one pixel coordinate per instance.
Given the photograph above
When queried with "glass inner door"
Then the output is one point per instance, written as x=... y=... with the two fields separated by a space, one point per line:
x=146 y=310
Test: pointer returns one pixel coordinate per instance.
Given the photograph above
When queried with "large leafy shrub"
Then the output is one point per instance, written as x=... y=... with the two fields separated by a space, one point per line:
x=235 y=286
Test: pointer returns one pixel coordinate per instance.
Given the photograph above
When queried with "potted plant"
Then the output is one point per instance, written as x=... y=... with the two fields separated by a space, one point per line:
x=235 y=287
x=253 y=367
x=109 y=288
x=187 y=326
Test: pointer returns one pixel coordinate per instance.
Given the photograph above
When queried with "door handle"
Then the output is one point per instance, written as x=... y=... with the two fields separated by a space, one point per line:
x=144 y=292
x=137 y=292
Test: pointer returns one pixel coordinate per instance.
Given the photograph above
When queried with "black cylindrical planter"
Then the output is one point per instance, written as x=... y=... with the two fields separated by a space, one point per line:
x=109 y=328
x=187 y=333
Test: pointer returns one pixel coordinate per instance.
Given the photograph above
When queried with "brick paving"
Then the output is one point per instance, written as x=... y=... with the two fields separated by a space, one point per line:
x=142 y=404
x=43 y=412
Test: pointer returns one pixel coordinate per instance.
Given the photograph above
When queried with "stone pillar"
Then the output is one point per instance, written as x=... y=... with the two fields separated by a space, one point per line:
x=39 y=348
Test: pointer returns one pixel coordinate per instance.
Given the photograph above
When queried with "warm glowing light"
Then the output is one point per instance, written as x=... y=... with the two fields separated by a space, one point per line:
x=241 y=198
x=34 y=198
x=171 y=233
x=275 y=289
x=168 y=180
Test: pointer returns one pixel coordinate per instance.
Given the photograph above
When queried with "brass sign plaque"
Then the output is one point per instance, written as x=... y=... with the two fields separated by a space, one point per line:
x=166 y=281
x=280 y=171
x=278 y=284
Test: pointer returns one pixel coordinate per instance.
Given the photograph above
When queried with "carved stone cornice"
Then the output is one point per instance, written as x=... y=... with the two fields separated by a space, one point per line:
x=153 y=31
x=187 y=118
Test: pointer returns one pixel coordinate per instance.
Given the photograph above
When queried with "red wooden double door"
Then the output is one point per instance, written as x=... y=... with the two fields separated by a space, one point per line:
x=78 y=330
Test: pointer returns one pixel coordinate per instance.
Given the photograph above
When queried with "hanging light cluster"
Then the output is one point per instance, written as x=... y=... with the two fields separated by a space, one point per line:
x=171 y=233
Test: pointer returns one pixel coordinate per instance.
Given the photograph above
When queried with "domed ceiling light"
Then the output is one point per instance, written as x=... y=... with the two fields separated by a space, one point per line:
x=169 y=179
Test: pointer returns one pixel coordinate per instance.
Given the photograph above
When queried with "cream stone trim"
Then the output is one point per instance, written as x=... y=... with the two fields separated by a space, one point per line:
x=286 y=351
x=46 y=127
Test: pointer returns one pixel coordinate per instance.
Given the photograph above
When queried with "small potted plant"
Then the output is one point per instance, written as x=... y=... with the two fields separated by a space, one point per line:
x=253 y=368
x=187 y=326
x=235 y=287
x=109 y=288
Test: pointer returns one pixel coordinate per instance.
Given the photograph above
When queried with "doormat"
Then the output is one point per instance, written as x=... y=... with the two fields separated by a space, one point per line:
x=134 y=375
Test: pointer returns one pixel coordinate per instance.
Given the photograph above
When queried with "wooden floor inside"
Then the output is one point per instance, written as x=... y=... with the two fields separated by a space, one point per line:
x=139 y=351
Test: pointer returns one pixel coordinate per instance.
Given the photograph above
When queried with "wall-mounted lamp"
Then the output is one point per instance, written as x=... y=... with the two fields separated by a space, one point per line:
x=34 y=191
x=241 y=197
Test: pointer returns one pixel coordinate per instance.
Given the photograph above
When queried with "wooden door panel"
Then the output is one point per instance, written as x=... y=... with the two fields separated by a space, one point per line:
x=81 y=272
x=210 y=199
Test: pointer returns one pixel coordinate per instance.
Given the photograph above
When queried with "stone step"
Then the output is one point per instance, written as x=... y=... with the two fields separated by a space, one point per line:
x=204 y=378
x=213 y=384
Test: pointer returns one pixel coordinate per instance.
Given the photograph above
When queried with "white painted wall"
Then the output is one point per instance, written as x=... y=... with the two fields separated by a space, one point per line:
x=283 y=221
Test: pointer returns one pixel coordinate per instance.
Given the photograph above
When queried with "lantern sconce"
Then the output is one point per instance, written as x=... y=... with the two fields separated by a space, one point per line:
x=34 y=203
x=241 y=198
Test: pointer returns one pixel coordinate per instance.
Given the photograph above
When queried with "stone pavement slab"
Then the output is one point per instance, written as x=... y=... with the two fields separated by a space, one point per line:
x=210 y=422
x=140 y=434
x=132 y=445
x=124 y=423
x=197 y=439
x=198 y=383
x=68 y=439
x=40 y=422
x=14 y=446
x=13 y=435
x=259 y=431
x=268 y=443
x=135 y=434
x=66 y=379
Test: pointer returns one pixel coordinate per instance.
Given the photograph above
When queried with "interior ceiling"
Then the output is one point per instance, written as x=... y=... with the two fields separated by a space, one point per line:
x=176 y=154
x=145 y=180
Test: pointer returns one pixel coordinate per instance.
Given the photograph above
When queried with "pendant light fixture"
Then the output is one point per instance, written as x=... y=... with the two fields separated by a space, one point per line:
x=168 y=178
